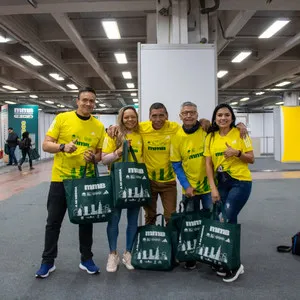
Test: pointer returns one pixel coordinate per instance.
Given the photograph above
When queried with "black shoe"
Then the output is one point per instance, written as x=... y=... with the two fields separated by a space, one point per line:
x=19 y=167
x=31 y=168
x=190 y=265
x=219 y=270
x=234 y=274
x=9 y=164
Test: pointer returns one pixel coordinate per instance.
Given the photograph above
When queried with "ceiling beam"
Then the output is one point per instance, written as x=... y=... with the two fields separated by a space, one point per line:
x=14 y=84
x=17 y=26
x=239 y=21
x=28 y=70
x=68 y=27
x=289 y=44
x=78 y=6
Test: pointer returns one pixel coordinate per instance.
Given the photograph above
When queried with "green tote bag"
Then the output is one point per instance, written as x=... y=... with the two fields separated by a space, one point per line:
x=152 y=248
x=131 y=185
x=219 y=243
x=89 y=200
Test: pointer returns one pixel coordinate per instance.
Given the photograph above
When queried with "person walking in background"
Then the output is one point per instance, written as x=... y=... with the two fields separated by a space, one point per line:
x=112 y=152
x=12 y=141
x=227 y=156
x=25 y=145
x=76 y=139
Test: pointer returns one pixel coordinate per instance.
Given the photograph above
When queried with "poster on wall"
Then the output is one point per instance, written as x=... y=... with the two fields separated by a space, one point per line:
x=4 y=128
x=24 y=118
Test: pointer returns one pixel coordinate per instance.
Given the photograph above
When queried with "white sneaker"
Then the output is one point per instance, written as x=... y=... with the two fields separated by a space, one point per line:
x=112 y=262
x=126 y=260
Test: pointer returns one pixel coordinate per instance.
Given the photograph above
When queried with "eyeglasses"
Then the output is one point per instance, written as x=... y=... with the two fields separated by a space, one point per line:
x=186 y=113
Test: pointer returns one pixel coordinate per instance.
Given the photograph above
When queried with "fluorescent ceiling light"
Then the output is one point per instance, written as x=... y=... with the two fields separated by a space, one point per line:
x=102 y=105
x=130 y=85
x=135 y=100
x=127 y=75
x=279 y=103
x=56 y=76
x=31 y=60
x=72 y=86
x=121 y=58
x=10 y=102
x=241 y=56
x=259 y=93
x=40 y=109
x=134 y=95
x=275 y=27
x=49 y=102
x=3 y=39
x=233 y=103
x=33 y=96
x=244 y=99
x=276 y=90
x=111 y=29
x=221 y=74
x=60 y=105
x=8 y=87
x=284 y=83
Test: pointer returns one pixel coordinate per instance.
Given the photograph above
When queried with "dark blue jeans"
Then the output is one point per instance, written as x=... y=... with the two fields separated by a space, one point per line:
x=12 y=156
x=234 y=195
x=193 y=203
x=24 y=153
x=113 y=228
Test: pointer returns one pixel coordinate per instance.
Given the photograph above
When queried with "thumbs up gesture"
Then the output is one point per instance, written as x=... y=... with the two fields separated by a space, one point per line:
x=229 y=152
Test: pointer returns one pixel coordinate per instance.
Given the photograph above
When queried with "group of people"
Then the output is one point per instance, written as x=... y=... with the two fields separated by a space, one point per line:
x=24 y=144
x=189 y=152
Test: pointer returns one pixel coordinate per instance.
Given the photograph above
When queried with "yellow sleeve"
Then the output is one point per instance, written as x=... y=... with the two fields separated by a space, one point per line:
x=102 y=136
x=54 y=128
x=109 y=145
x=247 y=144
x=207 y=145
x=175 y=149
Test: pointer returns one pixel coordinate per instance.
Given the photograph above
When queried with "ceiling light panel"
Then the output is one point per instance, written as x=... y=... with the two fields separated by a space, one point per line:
x=233 y=103
x=279 y=103
x=31 y=60
x=10 y=102
x=8 y=87
x=133 y=94
x=33 y=96
x=3 y=39
x=241 y=56
x=127 y=75
x=284 y=83
x=222 y=73
x=111 y=29
x=102 y=105
x=274 y=28
x=259 y=93
x=121 y=57
x=244 y=99
x=72 y=86
x=56 y=76
x=135 y=100
x=130 y=85
x=49 y=102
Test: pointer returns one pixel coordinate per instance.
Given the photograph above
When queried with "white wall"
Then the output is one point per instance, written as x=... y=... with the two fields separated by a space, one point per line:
x=107 y=120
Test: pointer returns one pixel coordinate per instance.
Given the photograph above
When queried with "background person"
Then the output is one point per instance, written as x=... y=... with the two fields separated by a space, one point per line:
x=227 y=156
x=25 y=145
x=12 y=141
x=112 y=151
x=76 y=138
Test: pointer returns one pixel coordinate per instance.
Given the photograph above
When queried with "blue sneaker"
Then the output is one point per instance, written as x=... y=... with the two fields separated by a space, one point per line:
x=45 y=270
x=89 y=266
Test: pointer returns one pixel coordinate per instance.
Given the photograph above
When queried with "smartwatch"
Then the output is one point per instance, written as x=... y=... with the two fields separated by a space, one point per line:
x=62 y=147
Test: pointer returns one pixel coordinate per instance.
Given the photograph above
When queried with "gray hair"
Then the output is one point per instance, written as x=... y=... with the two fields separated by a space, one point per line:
x=188 y=103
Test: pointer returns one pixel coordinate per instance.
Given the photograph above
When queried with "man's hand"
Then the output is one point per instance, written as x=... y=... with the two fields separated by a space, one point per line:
x=70 y=147
x=189 y=192
x=243 y=129
x=112 y=131
x=89 y=156
x=230 y=152
x=205 y=124
x=215 y=196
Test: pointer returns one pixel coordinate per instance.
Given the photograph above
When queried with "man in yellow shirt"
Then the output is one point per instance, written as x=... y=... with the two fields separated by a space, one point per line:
x=76 y=138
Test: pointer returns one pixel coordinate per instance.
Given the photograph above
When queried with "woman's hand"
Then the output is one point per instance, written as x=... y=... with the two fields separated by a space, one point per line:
x=89 y=156
x=230 y=152
x=215 y=196
x=119 y=151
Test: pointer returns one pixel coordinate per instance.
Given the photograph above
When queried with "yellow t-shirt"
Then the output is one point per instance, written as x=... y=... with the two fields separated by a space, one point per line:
x=189 y=148
x=156 y=151
x=109 y=145
x=215 y=147
x=67 y=127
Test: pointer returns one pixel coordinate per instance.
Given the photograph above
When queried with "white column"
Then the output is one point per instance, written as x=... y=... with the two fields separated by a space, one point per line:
x=291 y=98
x=151 y=29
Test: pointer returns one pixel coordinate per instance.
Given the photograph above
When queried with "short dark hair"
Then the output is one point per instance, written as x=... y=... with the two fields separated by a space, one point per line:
x=157 y=105
x=10 y=128
x=86 y=89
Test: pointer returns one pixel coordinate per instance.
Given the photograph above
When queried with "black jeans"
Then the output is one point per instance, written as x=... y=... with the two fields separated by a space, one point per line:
x=57 y=207
x=24 y=152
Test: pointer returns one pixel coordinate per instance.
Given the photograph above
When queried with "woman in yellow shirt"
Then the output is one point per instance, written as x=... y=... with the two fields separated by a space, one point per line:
x=227 y=156
x=112 y=151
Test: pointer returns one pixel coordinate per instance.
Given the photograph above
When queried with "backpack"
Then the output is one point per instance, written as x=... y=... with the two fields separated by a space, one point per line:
x=24 y=144
x=295 y=247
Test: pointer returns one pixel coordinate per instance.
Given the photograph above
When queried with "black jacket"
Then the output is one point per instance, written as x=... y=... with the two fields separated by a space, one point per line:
x=12 y=139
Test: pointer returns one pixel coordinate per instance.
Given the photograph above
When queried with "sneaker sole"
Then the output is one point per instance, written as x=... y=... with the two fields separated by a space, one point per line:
x=129 y=267
x=47 y=274
x=242 y=271
x=82 y=267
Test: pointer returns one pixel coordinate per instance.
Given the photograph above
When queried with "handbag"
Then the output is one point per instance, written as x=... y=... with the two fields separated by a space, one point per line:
x=33 y=153
x=152 y=248
x=6 y=149
x=218 y=243
x=295 y=248
x=130 y=181
x=89 y=200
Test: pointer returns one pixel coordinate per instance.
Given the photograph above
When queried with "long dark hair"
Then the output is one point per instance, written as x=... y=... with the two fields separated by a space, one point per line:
x=214 y=127
x=25 y=135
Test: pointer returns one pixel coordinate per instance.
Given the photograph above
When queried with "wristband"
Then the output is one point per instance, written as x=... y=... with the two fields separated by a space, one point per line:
x=239 y=154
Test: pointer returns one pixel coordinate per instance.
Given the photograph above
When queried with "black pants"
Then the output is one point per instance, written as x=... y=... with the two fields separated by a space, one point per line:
x=57 y=207
x=24 y=152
